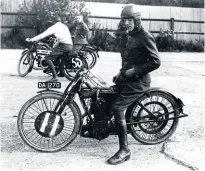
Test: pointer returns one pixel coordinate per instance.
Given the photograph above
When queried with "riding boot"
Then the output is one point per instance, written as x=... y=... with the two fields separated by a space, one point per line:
x=60 y=74
x=123 y=154
x=53 y=71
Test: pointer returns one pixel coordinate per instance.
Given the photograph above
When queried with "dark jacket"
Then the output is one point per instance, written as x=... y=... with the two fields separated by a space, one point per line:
x=81 y=34
x=141 y=54
x=121 y=36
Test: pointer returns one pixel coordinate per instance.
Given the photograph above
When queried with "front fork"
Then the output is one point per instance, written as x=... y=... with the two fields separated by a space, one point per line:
x=68 y=96
x=67 y=99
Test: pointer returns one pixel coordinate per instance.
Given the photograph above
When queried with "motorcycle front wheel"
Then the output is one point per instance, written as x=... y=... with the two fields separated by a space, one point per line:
x=25 y=64
x=45 y=130
x=156 y=128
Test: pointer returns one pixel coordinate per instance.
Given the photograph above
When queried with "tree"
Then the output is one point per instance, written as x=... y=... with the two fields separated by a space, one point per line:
x=42 y=11
x=181 y=3
x=192 y=3
x=36 y=14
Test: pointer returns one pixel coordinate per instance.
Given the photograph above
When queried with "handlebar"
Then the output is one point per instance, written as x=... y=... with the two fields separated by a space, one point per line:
x=35 y=44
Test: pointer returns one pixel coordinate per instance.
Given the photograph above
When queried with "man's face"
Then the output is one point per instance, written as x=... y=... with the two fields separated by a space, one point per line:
x=79 y=19
x=129 y=23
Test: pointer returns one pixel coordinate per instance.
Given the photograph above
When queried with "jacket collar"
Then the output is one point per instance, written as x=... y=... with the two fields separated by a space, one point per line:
x=135 y=31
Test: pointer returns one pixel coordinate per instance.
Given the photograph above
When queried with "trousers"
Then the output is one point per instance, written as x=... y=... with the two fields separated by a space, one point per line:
x=129 y=94
x=59 y=50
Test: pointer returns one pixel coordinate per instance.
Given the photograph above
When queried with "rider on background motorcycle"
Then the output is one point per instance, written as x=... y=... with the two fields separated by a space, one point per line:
x=64 y=44
x=140 y=57
x=80 y=34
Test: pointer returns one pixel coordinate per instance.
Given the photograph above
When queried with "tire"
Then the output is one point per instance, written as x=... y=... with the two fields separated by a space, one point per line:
x=159 y=130
x=25 y=60
x=69 y=70
x=30 y=123
x=90 y=57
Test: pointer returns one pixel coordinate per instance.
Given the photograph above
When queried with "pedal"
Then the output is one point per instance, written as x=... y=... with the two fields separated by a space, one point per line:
x=85 y=132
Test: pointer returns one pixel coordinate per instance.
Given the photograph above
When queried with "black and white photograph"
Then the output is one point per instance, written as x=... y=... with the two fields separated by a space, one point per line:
x=99 y=85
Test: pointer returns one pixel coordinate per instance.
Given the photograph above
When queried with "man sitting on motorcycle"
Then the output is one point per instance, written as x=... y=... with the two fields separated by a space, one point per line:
x=64 y=44
x=139 y=59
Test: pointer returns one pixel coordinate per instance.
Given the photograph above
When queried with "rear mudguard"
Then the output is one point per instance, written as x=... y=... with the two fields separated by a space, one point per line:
x=90 y=49
x=61 y=94
x=178 y=101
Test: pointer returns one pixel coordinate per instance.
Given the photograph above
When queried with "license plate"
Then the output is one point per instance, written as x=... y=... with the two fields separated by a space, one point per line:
x=56 y=85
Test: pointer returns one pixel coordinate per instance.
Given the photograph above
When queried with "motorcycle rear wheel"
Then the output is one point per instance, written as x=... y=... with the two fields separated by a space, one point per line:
x=25 y=64
x=69 y=71
x=37 y=119
x=154 y=130
x=90 y=57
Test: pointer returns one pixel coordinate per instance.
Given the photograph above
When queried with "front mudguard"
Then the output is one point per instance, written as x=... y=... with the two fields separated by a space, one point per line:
x=24 y=51
x=50 y=91
x=32 y=63
x=61 y=94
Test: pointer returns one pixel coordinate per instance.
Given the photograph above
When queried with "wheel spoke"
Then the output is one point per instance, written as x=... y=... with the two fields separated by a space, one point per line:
x=39 y=107
x=34 y=110
x=49 y=139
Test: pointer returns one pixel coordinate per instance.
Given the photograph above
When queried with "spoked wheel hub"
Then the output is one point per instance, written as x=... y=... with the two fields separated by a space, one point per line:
x=159 y=123
x=49 y=124
x=156 y=122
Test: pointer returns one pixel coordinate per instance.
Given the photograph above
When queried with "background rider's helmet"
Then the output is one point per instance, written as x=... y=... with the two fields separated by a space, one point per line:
x=131 y=11
x=53 y=19
x=79 y=18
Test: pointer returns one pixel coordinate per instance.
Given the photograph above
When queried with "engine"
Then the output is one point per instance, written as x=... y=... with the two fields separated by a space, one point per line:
x=101 y=105
x=98 y=108
x=42 y=53
x=99 y=127
x=43 y=63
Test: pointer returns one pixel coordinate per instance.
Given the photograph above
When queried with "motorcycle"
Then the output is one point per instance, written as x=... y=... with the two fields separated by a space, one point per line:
x=51 y=120
x=34 y=58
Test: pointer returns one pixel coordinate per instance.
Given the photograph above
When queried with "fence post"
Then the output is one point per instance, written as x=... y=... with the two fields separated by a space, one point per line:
x=37 y=24
x=172 y=24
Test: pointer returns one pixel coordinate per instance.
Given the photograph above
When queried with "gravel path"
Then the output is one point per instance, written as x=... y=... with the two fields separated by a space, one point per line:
x=184 y=151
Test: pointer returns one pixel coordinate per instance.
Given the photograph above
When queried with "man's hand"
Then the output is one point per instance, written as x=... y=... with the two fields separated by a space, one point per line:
x=116 y=77
x=126 y=32
x=28 y=40
x=130 y=73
